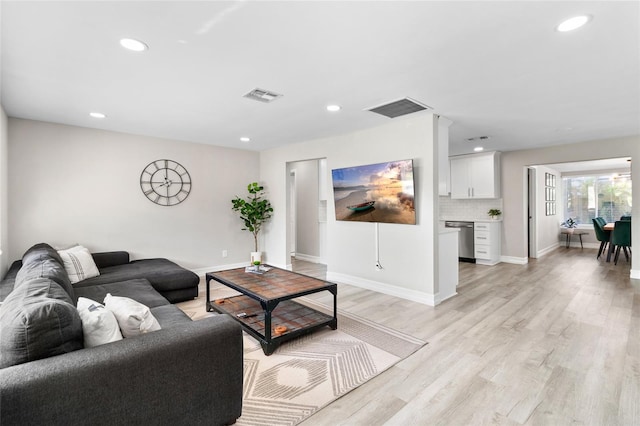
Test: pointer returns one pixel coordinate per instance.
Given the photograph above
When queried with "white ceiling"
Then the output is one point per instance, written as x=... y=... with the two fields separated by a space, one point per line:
x=494 y=68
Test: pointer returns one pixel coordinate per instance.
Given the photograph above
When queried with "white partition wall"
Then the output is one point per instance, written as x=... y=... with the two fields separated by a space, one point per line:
x=407 y=252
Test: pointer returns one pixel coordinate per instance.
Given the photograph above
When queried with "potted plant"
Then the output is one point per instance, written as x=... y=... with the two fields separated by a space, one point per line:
x=570 y=224
x=494 y=213
x=254 y=212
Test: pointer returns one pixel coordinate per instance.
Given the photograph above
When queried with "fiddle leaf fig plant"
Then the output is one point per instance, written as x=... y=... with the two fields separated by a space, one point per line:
x=254 y=210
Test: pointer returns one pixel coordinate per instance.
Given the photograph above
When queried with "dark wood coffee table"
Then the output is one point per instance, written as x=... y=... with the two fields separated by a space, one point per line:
x=266 y=309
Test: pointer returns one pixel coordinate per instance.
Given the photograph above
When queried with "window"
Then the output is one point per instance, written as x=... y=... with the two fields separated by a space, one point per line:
x=586 y=197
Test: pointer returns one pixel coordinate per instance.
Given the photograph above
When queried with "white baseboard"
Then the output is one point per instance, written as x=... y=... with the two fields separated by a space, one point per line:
x=439 y=300
x=514 y=260
x=308 y=258
x=202 y=271
x=635 y=274
x=487 y=262
x=547 y=250
x=576 y=244
x=391 y=290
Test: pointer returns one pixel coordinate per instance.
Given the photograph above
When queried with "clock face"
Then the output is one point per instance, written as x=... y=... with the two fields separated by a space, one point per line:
x=165 y=182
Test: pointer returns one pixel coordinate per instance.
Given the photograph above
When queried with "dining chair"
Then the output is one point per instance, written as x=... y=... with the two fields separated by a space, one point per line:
x=621 y=238
x=602 y=235
x=625 y=218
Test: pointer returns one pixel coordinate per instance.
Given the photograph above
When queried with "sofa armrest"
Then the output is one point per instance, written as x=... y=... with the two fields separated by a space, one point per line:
x=110 y=258
x=188 y=374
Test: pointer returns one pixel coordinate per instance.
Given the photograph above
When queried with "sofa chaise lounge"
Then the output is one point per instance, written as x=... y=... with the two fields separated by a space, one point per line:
x=188 y=372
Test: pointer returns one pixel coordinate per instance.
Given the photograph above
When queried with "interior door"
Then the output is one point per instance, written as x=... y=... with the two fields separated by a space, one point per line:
x=531 y=213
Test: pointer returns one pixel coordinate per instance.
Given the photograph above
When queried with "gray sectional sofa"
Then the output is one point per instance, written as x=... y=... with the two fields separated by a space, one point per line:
x=189 y=372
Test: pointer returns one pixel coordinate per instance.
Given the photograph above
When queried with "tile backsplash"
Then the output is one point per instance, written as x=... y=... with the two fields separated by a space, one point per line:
x=467 y=209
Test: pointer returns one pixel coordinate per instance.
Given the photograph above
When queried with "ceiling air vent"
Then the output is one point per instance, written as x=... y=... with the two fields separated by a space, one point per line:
x=398 y=108
x=262 y=95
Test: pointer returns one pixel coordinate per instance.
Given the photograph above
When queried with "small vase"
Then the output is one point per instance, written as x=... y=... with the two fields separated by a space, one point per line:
x=256 y=256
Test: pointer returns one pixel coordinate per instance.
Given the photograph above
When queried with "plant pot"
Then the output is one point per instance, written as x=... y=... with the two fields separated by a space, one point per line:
x=256 y=256
x=495 y=217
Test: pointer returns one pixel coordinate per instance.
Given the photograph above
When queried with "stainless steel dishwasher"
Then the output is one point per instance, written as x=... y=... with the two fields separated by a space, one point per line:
x=465 y=240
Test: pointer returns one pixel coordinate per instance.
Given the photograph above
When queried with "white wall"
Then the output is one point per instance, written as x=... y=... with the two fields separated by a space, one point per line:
x=77 y=185
x=307 y=225
x=407 y=252
x=514 y=187
x=4 y=190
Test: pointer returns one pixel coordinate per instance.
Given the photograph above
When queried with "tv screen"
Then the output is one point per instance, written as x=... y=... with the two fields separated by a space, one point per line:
x=380 y=192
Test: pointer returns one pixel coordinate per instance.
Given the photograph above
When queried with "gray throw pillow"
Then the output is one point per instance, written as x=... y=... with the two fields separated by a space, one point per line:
x=38 y=320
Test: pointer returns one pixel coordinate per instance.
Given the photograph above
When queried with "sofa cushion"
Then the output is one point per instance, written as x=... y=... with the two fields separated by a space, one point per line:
x=134 y=318
x=42 y=261
x=163 y=274
x=78 y=263
x=110 y=258
x=139 y=290
x=38 y=320
x=170 y=315
x=99 y=325
x=41 y=249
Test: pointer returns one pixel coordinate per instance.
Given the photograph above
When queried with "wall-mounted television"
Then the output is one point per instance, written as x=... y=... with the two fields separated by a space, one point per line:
x=381 y=192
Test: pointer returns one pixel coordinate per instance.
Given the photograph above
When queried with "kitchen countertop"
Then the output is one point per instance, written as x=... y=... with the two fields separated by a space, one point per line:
x=466 y=219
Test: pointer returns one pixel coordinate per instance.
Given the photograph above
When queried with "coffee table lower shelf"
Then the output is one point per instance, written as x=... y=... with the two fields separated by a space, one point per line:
x=296 y=318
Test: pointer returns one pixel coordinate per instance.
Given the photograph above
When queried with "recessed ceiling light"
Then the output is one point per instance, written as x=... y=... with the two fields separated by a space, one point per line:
x=573 y=23
x=245 y=139
x=132 y=44
x=97 y=115
x=333 y=108
x=478 y=149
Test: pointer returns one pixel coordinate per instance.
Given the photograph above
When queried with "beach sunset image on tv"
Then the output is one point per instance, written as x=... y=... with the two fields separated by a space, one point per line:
x=380 y=192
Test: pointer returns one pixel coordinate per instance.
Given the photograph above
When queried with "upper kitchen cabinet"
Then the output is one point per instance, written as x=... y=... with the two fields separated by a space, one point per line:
x=475 y=176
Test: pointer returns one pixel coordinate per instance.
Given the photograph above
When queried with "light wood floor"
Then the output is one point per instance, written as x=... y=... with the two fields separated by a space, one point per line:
x=554 y=342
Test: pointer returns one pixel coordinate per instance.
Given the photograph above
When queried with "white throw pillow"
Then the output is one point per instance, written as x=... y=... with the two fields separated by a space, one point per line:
x=78 y=263
x=133 y=317
x=99 y=325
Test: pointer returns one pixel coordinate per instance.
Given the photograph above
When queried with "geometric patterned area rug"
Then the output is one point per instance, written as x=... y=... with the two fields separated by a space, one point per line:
x=308 y=373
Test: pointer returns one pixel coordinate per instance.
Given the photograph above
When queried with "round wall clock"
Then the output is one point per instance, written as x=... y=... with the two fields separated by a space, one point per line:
x=165 y=182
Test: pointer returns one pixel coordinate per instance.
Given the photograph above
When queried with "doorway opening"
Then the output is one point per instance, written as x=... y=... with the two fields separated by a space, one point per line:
x=307 y=210
x=578 y=191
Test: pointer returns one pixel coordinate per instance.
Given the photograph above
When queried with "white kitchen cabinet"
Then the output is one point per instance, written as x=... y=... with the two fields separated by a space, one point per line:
x=487 y=241
x=475 y=176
